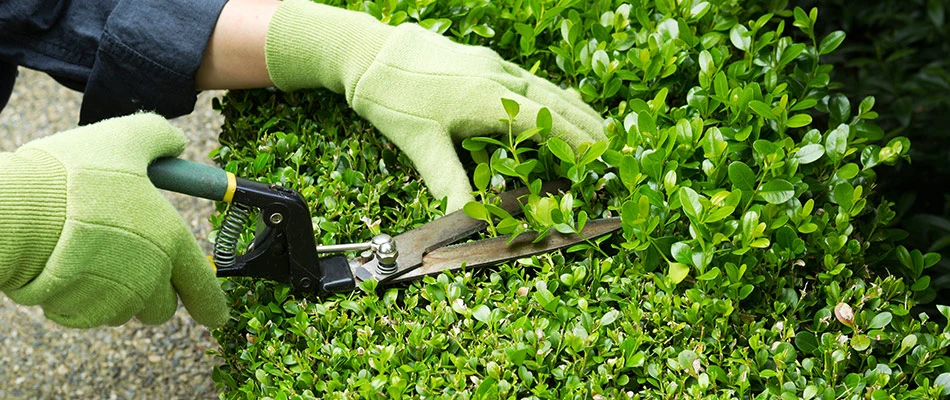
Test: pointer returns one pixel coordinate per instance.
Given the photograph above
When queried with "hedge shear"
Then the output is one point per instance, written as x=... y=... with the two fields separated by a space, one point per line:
x=284 y=250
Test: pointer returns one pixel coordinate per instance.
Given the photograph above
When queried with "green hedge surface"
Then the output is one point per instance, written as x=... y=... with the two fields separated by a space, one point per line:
x=756 y=259
x=897 y=52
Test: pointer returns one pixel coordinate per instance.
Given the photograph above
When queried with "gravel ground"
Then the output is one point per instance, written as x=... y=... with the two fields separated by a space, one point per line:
x=40 y=359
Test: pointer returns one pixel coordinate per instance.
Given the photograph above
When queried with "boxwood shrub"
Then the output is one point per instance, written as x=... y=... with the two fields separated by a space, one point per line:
x=755 y=259
x=896 y=51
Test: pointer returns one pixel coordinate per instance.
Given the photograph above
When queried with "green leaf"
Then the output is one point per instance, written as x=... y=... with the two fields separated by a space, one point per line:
x=709 y=275
x=511 y=108
x=844 y=195
x=609 y=317
x=943 y=381
x=806 y=342
x=936 y=13
x=507 y=226
x=668 y=29
x=931 y=258
x=785 y=237
x=699 y=9
x=764 y=147
x=645 y=123
x=831 y=42
x=561 y=150
x=544 y=120
x=482 y=176
x=481 y=313
x=762 y=109
x=652 y=163
x=599 y=62
x=629 y=169
x=847 y=171
x=484 y=140
x=713 y=144
x=798 y=121
x=691 y=204
x=777 y=191
x=581 y=220
x=739 y=35
x=801 y=19
x=810 y=392
x=840 y=108
x=791 y=52
x=721 y=84
x=476 y=210
x=904 y=257
x=524 y=29
x=908 y=343
x=484 y=31
x=866 y=105
x=437 y=25
x=261 y=162
x=524 y=169
x=880 y=320
x=837 y=143
x=517 y=355
x=594 y=152
x=677 y=272
x=741 y=176
x=505 y=166
x=497 y=211
x=686 y=358
x=809 y=153
x=681 y=252
x=860 y=342
x=528 y=134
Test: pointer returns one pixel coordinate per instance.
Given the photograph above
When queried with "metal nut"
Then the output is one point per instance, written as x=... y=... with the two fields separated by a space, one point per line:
x=276 y=218
x=366 y=256
x=386 y=253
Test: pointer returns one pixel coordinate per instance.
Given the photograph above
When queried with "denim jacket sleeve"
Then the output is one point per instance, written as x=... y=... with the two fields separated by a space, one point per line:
x=125 y=55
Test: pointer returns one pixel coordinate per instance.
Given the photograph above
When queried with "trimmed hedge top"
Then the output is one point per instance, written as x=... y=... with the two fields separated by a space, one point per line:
x=754 y=261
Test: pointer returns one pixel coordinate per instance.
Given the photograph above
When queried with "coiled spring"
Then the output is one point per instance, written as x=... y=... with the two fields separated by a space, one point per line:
x=225 y=245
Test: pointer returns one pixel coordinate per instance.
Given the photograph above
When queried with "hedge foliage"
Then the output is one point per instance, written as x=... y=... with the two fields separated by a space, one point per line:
x=897 y=52
x=755 y=259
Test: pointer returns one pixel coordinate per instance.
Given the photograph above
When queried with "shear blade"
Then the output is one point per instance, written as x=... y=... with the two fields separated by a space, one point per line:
x=418 y=242
x=496 y=250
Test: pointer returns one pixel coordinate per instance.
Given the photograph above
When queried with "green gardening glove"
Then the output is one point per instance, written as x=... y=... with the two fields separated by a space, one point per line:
x=421 y=90
x=85 y=235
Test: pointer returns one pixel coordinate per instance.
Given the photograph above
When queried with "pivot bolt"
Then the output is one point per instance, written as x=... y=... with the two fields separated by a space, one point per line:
x=386 y=253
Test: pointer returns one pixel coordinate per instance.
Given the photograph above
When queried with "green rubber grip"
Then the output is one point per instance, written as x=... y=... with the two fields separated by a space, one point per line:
x=193 y=179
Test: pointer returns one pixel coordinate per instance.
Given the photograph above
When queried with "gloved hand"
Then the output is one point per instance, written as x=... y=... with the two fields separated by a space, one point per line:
x=85 y=235
x=417 y=87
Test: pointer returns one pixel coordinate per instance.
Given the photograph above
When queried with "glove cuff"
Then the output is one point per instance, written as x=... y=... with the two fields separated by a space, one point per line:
x=32 y=214
x=313 y=45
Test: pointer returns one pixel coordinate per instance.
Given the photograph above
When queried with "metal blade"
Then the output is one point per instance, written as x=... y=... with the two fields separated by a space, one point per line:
x=495 y=251
x=416 y=243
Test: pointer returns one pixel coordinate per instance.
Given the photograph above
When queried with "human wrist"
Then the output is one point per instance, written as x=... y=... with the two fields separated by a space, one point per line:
x=32 y=214
x=313 y=45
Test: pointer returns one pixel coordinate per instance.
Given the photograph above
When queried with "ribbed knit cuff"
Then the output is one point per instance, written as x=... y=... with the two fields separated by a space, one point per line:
x=32 y=213
x=313 y=45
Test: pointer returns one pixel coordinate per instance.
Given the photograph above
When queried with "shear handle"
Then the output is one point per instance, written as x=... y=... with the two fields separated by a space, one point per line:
x=284 y=250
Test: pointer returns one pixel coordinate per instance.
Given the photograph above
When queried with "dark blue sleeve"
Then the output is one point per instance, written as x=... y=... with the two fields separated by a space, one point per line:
x=125 y=55
x=7 y=77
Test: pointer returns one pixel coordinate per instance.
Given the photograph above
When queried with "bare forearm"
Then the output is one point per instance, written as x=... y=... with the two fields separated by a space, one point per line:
x=234 y=58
